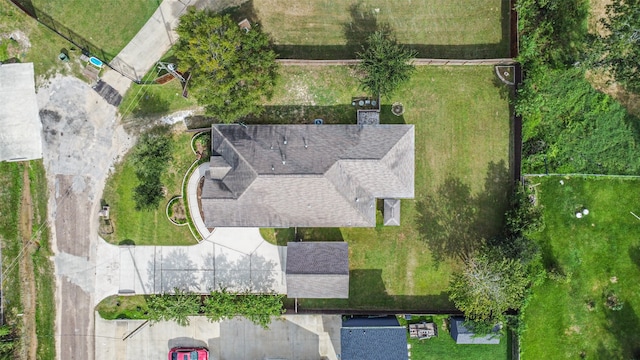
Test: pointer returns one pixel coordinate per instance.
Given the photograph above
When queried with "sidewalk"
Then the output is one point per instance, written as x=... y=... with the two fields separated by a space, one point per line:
x=148 y=46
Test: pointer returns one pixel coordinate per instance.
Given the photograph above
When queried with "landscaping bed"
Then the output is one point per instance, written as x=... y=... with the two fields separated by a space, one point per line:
x=141 y=227
x=588 y=259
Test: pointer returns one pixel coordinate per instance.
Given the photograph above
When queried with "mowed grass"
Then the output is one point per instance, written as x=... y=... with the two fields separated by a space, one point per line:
x=44 y=45
x=148 y=227
x=108 y=25
x=444 y=347
x=462 y=128
x=597 y=254
x=327 y=29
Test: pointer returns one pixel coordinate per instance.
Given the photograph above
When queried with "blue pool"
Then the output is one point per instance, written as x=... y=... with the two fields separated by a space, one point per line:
x=95 y=61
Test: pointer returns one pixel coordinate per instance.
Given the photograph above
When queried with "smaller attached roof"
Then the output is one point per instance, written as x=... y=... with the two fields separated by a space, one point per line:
x=318 y=270
x=373 y=339
x=391 y=212
x=20 y=126
x=462 y=335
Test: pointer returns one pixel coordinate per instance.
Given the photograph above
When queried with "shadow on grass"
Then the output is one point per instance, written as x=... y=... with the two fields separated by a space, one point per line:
x=363 y=22
x=298 y=115
x=455 y=223
x=624 y=325
x=286 y=114
x=367 y=292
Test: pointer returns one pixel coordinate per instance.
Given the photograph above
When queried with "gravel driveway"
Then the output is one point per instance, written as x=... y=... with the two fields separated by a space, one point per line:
x=81 y=142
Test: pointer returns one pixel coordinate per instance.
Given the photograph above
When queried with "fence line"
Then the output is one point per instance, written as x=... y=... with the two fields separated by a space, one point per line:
x=585 y=175
x=87 y=47
x=417 y=62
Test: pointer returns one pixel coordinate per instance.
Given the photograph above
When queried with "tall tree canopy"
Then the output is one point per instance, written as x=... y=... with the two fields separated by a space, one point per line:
x=232 y=69
x=486 y=288
x=385 y=63
x=620 y=48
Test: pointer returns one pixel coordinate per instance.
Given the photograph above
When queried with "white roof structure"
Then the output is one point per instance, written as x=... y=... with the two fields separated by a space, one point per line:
x=20 y=126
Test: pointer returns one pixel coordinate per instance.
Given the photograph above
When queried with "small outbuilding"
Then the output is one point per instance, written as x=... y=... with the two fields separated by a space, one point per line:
x=463 y=335
x=373 y=338
x=20 y=126
x=318 y=270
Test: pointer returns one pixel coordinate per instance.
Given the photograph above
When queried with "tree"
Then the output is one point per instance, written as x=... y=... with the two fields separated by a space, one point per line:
x=232 y=70
x=259 y=309
x=173 y=307
x=620 y=48
x=385 y=63
x=487 y=288
x=150 y=158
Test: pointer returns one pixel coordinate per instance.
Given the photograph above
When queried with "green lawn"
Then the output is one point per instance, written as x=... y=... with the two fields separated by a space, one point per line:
x=108 y=25
x=462 y=159
x=599 y=253
x=150 y=99
x=44 y=44
x=148 y=227
x=326 y=29
x=444 y=347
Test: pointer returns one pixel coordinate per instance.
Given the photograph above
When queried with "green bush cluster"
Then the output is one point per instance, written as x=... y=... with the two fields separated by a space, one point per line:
x=498 y=279
x=568 y=127
x=217 y=306
x=151 y=158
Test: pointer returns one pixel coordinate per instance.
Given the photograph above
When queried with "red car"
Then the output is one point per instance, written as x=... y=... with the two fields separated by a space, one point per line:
x=183 y=353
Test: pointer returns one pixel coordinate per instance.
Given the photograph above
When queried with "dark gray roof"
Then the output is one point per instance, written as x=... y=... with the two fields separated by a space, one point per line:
x=317 y=270
x=391 y=212
x=372 y=342
x=462 y=335
x=307 y=175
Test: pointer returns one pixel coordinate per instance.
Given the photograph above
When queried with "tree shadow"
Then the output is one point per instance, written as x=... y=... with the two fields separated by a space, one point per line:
x=251 y=273
x=368 y=294
x=363 y=23
x=174 y=270
x=624 y=325
x=634 y=254
x=455 y=223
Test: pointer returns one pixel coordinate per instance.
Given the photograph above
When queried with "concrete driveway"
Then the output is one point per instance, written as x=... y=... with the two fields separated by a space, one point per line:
x=293 y=337
x=248 y=265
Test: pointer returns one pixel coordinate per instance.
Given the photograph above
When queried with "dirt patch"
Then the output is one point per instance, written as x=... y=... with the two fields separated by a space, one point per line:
x=604 y=82
x=597 y=12
x=29 y=340
x=573 y=329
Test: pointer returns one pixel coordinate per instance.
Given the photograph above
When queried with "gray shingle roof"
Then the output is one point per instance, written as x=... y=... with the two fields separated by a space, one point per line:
x=371 y=342
x=391 y=212
x=317 y=270
x=307 y=175
x=462 y=335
